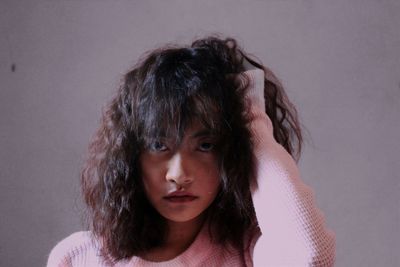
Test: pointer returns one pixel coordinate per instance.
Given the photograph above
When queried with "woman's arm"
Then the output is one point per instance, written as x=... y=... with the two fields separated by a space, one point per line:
x=293 y=228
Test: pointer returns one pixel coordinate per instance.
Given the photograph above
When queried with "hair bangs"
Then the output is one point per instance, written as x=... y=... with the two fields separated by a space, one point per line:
x=172 y=106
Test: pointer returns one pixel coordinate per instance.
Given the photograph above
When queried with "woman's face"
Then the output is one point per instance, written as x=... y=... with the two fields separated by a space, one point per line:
x=181 y=181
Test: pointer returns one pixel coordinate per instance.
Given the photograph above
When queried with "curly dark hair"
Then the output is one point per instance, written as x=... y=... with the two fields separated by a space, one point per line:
x=162 y=94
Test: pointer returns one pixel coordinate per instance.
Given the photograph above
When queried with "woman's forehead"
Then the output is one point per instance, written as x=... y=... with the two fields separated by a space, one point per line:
x=193 y=130
x=197 y=129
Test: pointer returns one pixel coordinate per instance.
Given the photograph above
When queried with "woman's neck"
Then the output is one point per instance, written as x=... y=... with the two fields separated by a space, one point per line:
x=182 y=234
x=179 y=236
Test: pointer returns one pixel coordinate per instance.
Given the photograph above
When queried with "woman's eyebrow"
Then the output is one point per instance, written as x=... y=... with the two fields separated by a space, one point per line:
x=202 y=133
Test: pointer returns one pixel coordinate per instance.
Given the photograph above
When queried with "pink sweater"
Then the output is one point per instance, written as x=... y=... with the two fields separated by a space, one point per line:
x=293 y=228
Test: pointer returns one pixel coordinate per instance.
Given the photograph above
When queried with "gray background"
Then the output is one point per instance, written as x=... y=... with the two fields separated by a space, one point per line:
x=339 y=62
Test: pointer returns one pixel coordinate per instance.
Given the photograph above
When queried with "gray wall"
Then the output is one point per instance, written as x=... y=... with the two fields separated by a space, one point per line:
x=339 y=61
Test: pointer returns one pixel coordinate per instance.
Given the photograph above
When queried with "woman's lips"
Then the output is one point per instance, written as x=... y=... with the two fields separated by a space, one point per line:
x=180 y=199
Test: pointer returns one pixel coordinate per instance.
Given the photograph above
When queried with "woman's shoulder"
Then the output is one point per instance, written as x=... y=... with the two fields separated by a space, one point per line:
x=72 y=249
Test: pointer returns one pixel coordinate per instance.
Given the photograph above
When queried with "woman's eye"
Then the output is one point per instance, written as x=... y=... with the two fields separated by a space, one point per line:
x=206 y=146
x=157 y=146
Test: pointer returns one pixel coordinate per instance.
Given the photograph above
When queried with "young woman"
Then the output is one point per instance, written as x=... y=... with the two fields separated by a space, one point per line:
x=192 y=166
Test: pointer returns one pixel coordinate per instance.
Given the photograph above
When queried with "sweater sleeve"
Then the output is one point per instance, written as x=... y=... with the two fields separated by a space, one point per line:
x=293 y=228
x=76 y=250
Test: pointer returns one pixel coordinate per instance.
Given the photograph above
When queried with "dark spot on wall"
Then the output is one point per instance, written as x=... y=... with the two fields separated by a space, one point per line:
x=13 y=67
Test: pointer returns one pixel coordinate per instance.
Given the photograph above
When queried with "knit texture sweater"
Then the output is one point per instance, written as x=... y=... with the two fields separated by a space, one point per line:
x=292 y=230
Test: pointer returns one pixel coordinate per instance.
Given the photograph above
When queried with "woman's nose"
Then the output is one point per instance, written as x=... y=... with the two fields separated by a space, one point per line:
x=177 y=171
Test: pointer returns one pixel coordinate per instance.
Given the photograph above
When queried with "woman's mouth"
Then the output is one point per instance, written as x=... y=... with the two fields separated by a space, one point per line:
x=180 y=199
